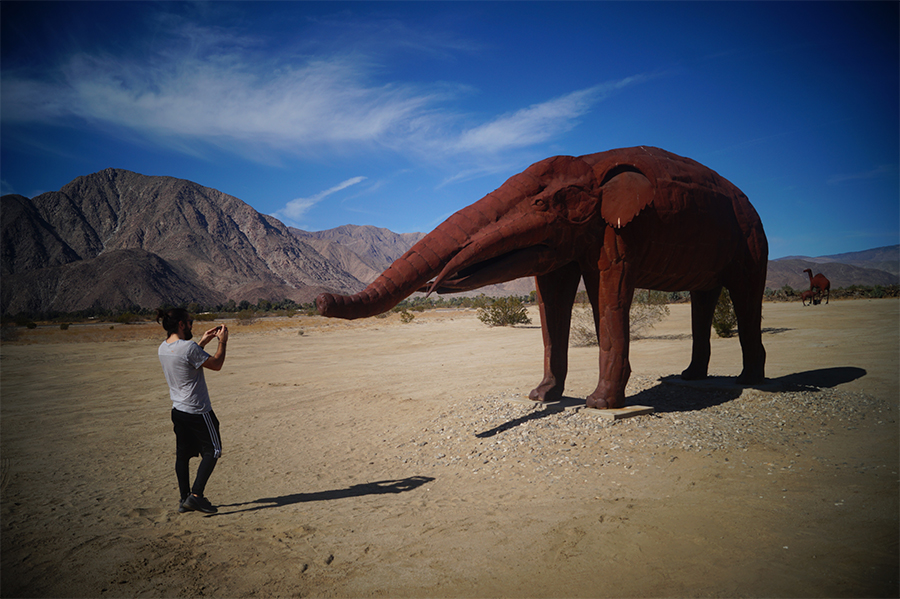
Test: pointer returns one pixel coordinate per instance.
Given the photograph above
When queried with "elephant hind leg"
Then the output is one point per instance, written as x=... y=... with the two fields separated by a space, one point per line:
x=703 y=307
x=747 y=302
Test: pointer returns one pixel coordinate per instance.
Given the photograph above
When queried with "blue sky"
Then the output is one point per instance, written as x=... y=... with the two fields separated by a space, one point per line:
x=398 y=114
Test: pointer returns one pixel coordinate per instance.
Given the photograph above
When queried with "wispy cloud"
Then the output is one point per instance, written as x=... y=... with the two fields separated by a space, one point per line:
x=205 y=86
x=880 y=171
x=295 y=210
x=540 y=122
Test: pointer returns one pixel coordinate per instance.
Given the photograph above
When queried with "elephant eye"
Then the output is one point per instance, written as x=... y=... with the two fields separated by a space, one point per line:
x=539 y=204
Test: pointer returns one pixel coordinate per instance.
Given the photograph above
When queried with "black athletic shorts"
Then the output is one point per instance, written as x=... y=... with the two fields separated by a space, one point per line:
x=197 y=434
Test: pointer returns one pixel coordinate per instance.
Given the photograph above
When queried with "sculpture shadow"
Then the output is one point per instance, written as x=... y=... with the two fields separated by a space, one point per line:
x=670 y=396
x=675 y=395
x=548 y=409
x=821 y=378
x=381 y=487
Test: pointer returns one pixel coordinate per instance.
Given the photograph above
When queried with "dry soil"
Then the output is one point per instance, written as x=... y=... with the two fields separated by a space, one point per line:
x=377 y=458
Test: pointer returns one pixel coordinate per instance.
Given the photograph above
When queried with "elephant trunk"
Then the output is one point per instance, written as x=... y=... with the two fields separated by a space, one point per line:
x=410 y=272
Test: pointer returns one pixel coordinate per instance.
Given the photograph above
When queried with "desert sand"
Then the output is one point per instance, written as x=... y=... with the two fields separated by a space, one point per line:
x=381 y=459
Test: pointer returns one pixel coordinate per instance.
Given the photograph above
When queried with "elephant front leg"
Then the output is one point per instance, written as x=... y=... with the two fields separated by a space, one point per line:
x=556 y=296
x=612 y=303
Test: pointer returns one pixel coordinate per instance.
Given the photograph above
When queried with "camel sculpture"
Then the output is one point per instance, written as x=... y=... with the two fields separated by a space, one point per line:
x=808 y=295
x=623 y=219
x=819 y=284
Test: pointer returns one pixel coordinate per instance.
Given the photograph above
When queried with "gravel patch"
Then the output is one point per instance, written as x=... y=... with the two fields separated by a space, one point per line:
x=493 y=434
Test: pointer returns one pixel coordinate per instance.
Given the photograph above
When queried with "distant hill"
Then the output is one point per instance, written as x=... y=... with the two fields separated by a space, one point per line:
x=363 y=251
x=117 y=239
x=366 y=251
x=884 y=258
x=880 y=266
x=62 y=250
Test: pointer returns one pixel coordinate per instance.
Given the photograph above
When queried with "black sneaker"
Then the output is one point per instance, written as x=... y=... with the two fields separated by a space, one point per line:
x=198 y=504
x=181 y=508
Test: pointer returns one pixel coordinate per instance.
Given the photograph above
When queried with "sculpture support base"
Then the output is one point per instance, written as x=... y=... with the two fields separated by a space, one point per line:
x=620 y=413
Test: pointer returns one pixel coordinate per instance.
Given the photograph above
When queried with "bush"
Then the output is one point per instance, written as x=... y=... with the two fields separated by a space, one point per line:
x=724 y=318
x=406 y=317
x=504 y=311
x=647 y=308
x=245 y=316
x=64 y=326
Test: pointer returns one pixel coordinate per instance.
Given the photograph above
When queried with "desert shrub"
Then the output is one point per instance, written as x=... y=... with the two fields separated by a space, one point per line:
x=647 y=308
x=406 y=317
x=246 y=316
x=724 y=318
x=504 y=311
x=64 y=326
x=126 y=318
x=31 y=325
x=205 y=316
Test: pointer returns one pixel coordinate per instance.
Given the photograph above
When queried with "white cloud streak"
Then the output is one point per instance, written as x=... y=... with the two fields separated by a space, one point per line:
x=540 y=122
x=875 y=173
x=205 y=87
x=296 y=209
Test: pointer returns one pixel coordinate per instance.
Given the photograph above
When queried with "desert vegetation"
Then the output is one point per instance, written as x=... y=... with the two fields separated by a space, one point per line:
x=504 y=311
x=648 y=307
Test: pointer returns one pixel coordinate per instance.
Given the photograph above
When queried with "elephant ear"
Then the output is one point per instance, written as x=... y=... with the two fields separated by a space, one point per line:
x=624 y=196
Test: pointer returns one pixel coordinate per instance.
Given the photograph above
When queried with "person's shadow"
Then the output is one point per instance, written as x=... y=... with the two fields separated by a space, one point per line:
x=373 y=488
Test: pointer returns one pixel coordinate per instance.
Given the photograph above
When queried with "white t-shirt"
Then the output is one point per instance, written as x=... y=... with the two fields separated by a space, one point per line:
x=182 y=363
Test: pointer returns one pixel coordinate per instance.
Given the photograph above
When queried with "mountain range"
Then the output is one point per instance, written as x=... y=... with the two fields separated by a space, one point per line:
x=117 y=239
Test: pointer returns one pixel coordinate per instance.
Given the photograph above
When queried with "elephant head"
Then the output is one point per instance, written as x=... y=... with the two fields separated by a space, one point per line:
x=529 y=226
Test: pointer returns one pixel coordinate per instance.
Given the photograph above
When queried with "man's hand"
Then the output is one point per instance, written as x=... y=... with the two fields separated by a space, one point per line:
x=221 y=333
x=209 y=335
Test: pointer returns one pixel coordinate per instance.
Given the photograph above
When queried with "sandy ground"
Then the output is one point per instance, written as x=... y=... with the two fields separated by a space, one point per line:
x=335 y=482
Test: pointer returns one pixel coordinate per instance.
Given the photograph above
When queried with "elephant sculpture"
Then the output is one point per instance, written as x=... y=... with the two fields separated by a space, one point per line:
x=622 y=219
x=819 y=284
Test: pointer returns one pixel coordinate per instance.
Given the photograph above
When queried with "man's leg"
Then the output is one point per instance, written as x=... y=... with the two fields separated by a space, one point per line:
x=204 y=471
x=210 y=452
x=183 y=454
x=182 y=472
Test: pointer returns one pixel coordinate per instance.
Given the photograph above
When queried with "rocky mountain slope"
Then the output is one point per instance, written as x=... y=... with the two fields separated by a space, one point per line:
x=197 y=243
x=879 y=266
x=883 y=258
x=117 y=239
x=362 y=251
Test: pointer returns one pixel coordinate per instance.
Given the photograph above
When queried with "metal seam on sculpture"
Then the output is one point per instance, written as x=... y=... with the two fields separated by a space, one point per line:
x=432 y=258
x=444 y=237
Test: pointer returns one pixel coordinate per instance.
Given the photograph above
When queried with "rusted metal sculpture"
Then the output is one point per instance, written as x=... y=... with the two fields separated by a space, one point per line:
x=623 y=219
x=819 y=284
x=808 y=295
